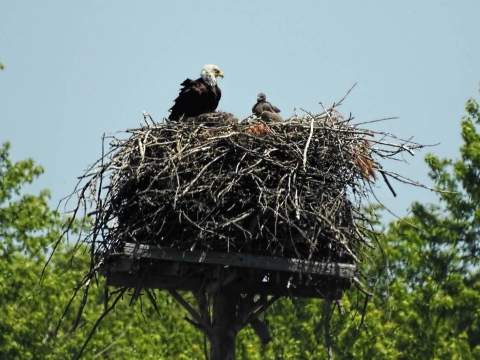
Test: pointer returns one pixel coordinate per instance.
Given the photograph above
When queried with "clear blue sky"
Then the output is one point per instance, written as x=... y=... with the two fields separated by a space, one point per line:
x=76 y=70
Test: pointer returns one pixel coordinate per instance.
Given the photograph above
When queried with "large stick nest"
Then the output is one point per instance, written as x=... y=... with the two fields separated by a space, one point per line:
x=290 y=189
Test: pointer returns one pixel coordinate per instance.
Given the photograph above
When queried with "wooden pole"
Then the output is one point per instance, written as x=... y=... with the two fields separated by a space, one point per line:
x=223 y=325
x=231 y=289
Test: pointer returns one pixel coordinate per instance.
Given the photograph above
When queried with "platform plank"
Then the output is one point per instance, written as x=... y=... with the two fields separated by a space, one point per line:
x=260 y=288
x=272 y=263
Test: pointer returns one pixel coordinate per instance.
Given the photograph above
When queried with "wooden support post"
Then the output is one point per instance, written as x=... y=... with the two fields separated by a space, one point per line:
x=262 y=330
x=223 y=325
x=231 y=289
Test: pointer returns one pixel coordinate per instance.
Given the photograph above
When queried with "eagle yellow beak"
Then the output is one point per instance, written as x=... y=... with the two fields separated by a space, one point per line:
x=220 y=73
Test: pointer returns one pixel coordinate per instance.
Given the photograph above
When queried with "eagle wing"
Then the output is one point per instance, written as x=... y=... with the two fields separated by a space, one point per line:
x=277 y=110
x=215 y=99
x=254 y=108
x=192 y=100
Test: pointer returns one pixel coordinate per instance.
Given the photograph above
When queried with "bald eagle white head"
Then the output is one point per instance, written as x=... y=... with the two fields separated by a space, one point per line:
x=209 y=74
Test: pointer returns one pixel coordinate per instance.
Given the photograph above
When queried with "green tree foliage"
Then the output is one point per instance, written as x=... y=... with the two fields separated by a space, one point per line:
x=425 y=305
x=434 y=263
x=31 y=310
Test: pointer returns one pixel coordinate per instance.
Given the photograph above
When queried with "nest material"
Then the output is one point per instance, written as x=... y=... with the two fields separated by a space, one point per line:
x=286 y=189
x=291 y=189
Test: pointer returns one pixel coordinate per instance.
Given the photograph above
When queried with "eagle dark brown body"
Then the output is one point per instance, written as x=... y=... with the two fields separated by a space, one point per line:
x=263 y=105
x=197 y=96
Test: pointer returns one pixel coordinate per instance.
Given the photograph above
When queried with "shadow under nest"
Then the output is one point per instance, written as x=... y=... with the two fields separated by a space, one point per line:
x=288 y=189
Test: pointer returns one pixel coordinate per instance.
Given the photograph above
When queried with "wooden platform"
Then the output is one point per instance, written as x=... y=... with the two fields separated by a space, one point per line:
x=153 y=266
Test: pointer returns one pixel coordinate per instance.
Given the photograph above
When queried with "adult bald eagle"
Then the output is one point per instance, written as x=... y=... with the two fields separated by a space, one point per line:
x=198 y=96
x=263 y=105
